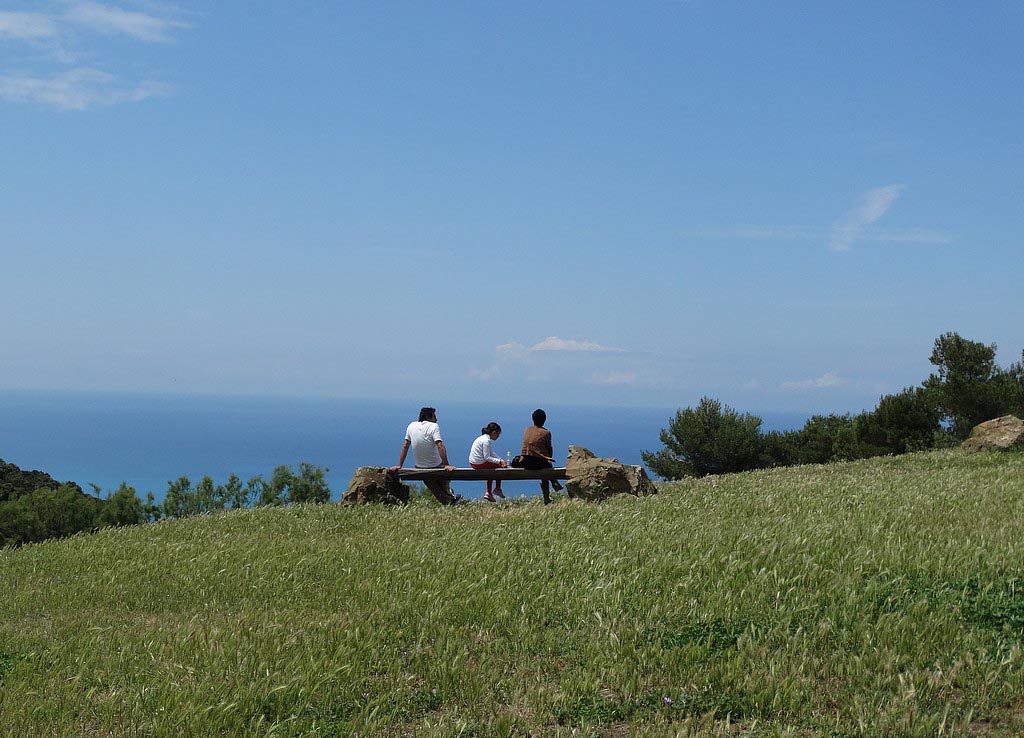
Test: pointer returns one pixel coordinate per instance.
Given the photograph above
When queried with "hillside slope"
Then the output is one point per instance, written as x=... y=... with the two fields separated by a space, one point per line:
x=881 y=597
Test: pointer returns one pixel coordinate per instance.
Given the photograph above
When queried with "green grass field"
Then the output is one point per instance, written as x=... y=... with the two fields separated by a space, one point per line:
x=876 y=598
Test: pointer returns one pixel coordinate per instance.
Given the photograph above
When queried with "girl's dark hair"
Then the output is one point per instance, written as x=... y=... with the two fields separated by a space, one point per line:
x=426 y=413
x=490 y=428
x=539 y=416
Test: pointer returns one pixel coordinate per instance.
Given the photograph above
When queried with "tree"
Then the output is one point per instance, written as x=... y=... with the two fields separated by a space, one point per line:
x=123 y=507
x=47 y=513
x=826 y=438
x=15 y=482
x=235 y=494
x=709 y=439
x=904 y=422
x=1010 y=388
x=310 y=485
x=965 y=389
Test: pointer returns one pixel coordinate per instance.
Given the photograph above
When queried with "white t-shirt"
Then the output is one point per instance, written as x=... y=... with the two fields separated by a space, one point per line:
x=424 y=435
x=481 y=452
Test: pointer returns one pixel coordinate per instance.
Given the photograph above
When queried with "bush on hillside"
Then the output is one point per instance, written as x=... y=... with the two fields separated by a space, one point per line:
x=47 y=513
x=123 y=507
x=826 y=438
x=284 y=487
x=15 y=482
x=968 y=388
x=709 y=439
x=905 y=422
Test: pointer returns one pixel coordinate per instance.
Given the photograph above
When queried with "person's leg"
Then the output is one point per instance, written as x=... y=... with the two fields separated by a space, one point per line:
x=441 y=491
x=488 y=465
x=535 y=463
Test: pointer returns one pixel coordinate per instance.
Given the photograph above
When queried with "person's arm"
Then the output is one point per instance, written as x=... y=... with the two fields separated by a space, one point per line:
x=444 y=455
x=490 y=456
x=401 y=456
x=550 y=456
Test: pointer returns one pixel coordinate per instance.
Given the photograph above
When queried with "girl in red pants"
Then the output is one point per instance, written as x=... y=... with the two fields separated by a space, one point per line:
x=482 y=456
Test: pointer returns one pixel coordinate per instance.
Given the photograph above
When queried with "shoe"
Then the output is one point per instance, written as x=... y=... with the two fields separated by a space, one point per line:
x=547 y=498
x=499 y=494
x=556 y=485
x=489 y=497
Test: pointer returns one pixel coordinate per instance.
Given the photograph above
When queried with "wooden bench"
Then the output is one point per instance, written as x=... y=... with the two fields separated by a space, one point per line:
x=478 y=475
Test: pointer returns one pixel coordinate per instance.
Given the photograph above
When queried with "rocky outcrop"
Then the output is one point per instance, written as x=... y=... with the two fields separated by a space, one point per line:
x=1001 y=433
x=639 y=481
x=593 y=478
x=373 y=484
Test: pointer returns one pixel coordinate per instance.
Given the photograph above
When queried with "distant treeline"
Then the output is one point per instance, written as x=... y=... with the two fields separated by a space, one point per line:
x=967 y=388
x=34 y=506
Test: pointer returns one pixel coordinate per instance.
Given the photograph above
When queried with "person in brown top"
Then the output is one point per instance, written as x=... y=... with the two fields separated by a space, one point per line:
x=537 y=452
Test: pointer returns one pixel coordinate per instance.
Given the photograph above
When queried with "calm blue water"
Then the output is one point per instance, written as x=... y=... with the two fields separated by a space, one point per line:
x=148 y=440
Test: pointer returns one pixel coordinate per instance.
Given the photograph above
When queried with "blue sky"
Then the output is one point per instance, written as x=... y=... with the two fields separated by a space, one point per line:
x=779 y=204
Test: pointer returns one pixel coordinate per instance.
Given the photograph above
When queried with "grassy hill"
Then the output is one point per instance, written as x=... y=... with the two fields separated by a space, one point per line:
x=877 y=598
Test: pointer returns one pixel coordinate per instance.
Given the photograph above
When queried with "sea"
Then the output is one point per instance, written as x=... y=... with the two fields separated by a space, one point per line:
x=148 y=440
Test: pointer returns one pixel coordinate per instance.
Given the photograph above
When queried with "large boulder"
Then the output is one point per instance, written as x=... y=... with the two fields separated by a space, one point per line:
x=1001 y=433
x=592 y=478
x=373 y=484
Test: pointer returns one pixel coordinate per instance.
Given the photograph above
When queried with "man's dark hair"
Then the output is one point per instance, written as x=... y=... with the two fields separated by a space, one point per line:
x=427 y=413
x=539 y=416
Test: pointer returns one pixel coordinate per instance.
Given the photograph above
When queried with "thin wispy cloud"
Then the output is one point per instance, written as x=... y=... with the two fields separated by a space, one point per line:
x=873 y=205
x=613 y=378
x=515 y=355
x=829 y=379
x=75 y=89
x=553 y=343
x=108 y=19
x=819 y=234
x=27 y=26
x=858 y=225
x=68 y=32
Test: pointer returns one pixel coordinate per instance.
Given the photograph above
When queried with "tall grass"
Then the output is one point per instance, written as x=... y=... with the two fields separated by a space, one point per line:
x=877 y=598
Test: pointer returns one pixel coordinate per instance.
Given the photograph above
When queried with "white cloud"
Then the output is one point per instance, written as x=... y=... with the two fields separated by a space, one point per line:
x=75 y=89
x=486 y=373
x=872 y=206
x=108 y=19
x=613 y=378
x=53 y=80
x=829 y=379
x=27 y=26
x=909 y=235
x=819 y=233
x=512 y=350
x=553 y=343
x=556 y=356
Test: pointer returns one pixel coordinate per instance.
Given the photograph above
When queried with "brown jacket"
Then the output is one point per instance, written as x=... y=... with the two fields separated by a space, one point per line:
x=537 y=442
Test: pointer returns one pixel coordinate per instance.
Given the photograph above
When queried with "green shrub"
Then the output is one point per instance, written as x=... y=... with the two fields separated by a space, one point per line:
x=709 y=439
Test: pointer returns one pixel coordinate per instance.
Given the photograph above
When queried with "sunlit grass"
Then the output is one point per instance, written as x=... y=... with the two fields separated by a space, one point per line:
x=875 y=598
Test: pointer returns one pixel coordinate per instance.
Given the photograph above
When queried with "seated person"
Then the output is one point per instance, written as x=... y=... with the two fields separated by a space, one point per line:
x=482 y=456
x=537 y=452
x=424 y=437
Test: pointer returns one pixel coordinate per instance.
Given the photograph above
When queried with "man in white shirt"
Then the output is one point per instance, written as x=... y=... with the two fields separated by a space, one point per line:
x=428 y=451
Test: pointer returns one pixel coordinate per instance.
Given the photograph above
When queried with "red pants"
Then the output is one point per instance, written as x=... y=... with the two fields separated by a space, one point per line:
x=488 y=465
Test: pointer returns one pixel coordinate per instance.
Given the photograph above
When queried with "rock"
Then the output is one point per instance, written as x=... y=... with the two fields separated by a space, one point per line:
x=1004 y=432
x=373 y=484
x=639 y=481
x=593 y=478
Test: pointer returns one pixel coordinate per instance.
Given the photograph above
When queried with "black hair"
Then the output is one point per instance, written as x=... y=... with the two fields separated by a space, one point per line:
x=539 y=416
x=490 y=428
x=427 y=413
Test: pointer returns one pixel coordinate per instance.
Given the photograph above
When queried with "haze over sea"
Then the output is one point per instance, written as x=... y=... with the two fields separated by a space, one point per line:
x=146 y=440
